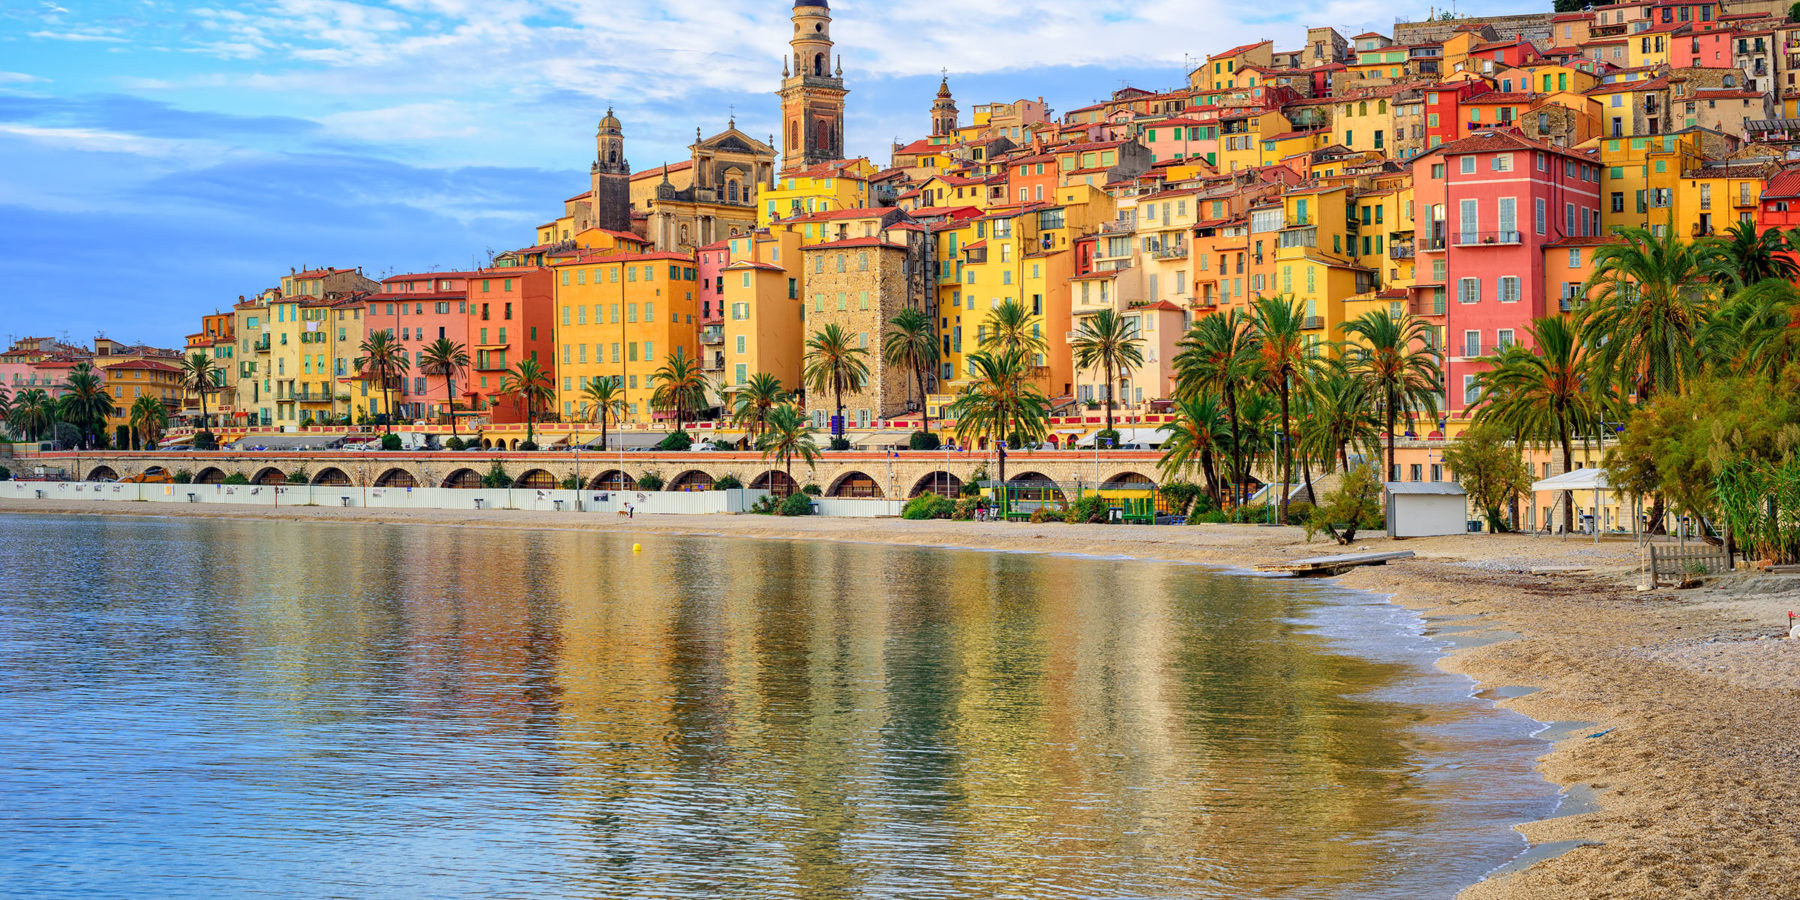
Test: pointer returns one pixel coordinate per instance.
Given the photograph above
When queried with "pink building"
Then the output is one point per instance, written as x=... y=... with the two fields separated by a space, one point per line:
x=418 y=309
x=1182 y=138
x=1701 y=49
x=1487 y=205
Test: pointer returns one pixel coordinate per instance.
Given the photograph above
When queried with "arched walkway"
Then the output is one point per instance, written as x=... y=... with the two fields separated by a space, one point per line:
x=210 y=475
x=537 y=480
x=612 y=480
x=1034 y=486
x=487 y=444
x=1129 y=481
x=397 y=478
x=854 y=484
x=691 y=480
x=943 y=484
x=270 y=476
x=156 y=470
x=464 y=479
x=775 y=482
x=102 y=473
x=332 y=478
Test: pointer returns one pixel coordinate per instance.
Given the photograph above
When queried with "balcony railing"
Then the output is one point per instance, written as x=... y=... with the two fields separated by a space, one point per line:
x=1313 y=323
x=1431 y=242
x=1701 y=230
x=1117 y=226
x=1400 y=251
x=1428 y=306
x=1176 y=252
x=712 y=336
x=1488 y=238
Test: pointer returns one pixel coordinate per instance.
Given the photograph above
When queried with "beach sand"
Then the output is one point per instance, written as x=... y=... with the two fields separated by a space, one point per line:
x=1693 y=756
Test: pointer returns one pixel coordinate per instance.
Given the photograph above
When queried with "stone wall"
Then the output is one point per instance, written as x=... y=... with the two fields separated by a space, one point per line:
x=860 y=287
x=1533 y=27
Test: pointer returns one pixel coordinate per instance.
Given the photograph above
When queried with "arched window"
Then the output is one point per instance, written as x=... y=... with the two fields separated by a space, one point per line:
x=731 y=191
x=1381 y=106
x=819 y=64
x=1362 y=109
x=612 y=156
x=824 y=140
x=793 y=136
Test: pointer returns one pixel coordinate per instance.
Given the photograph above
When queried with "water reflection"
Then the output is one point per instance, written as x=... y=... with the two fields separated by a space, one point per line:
x=234 y=708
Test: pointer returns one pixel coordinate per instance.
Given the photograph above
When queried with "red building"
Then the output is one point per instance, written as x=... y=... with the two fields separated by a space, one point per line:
x=1443 y=109
x=511 y=318
x=416 y=310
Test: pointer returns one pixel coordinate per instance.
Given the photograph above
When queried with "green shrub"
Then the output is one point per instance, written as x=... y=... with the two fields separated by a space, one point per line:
x=454 y=443
x=1179 y=495
x=298 y=476
x=1298 y=512
x=1210 y=517
x=183 y=476
x=571 y=483
x=496 y=477
x=928 y=506
x=390 y=442
x=1355 y=505
x=676 y=441
x=650 y=481
x=796 y=505
x=1045 y=514
x=812 y=490
x=965 y=510
x=527 y=446
x=5 y=474
x=307 y=422
x=765 y=505
x=122 y=437
x=1106 y=437
x=924 y=440
x=236 y=478
x=728 y=482
x=1087 y=510
x=972 y=487
x=838 y=443
x=205 y=440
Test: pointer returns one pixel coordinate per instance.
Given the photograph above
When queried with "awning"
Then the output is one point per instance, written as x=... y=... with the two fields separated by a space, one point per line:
x=1575 y=480
x=1438 y=488
x=1150 y=436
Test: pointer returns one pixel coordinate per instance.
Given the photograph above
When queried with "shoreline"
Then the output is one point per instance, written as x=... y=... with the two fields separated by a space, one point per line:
x=1690 y=761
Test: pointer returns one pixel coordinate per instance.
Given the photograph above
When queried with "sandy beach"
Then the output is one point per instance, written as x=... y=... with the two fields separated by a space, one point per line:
x=1692 y=756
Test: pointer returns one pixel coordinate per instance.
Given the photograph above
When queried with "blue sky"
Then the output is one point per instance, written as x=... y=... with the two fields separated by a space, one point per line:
x=159 y=159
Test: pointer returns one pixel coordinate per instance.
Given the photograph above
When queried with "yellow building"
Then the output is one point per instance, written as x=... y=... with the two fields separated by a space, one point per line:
x=1316 y=255
x=843 y=184
x=1642 y=178
x=1365 y=124
x=621 y=317
x=1714 y=196
x=1241 y=134
x=765 y=317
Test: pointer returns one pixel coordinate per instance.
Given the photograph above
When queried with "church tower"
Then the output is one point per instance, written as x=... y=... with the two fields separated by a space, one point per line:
x=943 y=111
x=812 y=92
x=611 y=177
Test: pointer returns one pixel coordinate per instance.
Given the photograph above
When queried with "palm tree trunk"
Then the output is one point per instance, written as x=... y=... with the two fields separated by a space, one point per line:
x=1306 y=476
x=450 y=395
x=1106 y=371
x=1238 y=475
x=924 y=410
x=1210 y=472
x=1568 y=453
x=837 y=391
x=1392 y=416
x=603 y=430
x=1287 y=450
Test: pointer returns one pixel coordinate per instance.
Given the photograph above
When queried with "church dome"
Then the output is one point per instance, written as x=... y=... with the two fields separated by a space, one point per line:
x=611 y=122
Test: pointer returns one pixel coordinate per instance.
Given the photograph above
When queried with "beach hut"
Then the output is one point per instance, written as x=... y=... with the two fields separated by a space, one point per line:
x=1426 y=508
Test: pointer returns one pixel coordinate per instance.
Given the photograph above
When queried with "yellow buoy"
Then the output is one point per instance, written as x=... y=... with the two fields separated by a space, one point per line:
x=637 y=548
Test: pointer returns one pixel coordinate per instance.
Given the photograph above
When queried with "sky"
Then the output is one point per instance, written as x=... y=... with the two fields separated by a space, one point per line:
x=159 y=159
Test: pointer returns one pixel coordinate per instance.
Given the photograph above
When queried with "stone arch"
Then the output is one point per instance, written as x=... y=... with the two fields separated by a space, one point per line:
x=612 y=480
x=102 y=473
x=332 y=477
x=775 y=482
x=538 y=480
x=210 y=475
x=1130 y=481
x=855 y=484
x=156 y=470
x=397 y=478
x=487 y=444
x=818 y=64
x=941 y=483
x=269 y=476
x=463 y=479
x=1035 y=486
x=691 y=480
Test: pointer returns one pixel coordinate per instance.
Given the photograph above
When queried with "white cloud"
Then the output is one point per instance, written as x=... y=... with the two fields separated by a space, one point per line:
x=438 y=120
x=20 y=78
x=86 y=37
x=93 y=140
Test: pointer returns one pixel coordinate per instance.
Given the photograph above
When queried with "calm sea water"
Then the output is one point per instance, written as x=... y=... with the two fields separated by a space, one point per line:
x=194 y=708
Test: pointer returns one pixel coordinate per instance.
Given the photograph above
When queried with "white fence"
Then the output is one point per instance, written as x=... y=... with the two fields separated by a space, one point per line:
x=652 y=502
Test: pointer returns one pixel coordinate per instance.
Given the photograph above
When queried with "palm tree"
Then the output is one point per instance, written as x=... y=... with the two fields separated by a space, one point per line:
x=680 y=386
x=604 y=398
x=383 y=358
x=32 y=413
x=1217 y=358
x=1339 y=415
x=1002 y=402
x=148 y=418
x=1648 y=299
x=833 y=364
x=912 y=343
x=755 y=400
x=1194 y=436
x=1750 y=257
x=787 y=435
x=1754 y=331
x=1546 y=394
x=1394 y=357
x=85 y=402
x=1285 y=362
x=445 y=357
x=1009 y=327
x=1110 y=342
x=201 y=375
x=529 y=381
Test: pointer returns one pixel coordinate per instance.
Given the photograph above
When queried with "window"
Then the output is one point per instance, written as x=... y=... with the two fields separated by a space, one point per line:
x=1468 y=290
x=1507 y=289
x=1471 y=343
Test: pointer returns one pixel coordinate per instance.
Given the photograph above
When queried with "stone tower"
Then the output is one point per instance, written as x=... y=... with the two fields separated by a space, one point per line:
x=812 y=92
x=943 y=111
x=611 y=177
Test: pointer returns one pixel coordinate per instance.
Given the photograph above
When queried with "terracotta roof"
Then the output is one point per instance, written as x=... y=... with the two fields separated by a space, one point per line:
x=428 y=276
x=1239 y=49
x=1785 y=185
x=748 y=264
x=1495 y=97
x=832 y=215
x=1723 y=94
x=659 y=170
x=923 y=145
x=852 y=243
x=1163 y=305
x=1626 y=86
x=144 y=364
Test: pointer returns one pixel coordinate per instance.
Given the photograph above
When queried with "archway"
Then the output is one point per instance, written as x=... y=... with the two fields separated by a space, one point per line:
x=332 y=478
x=210 y=475
x=1129 y=481
x=691 y=480
x=463 y=479
x=1034 y=486
x=102 y=473
x=155 y=471
x=942 y=484
x=397 y=478
x=612 y=480
x=487 y=444
x=775 y=482
x=270 y=476
x=854 y=484
x=537 y=480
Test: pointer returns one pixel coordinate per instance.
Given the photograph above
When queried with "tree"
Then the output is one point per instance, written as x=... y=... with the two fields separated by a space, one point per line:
x=445 y=357
x=201 y=375
x=32 y=413
x=1546 y=394
x=680 y=387
x=1490 y=469
x=1008 y=328
x=85 y=402
x=148 y=418
x=1749 y=257
x=604 y=398
x=1338 y=416
x=5 y=407
x=754 y=401
x=1002 y=401
x=385 y=360
x=1285 y=362
x=1394 y=357
x=530 y=382
x=1194 y=436
x=834 y=364
x=1355 y=504
x=1217 y=358
x=1648 y=299
x=912 y=343
x=786 y=435
x=1754 y=331
x=1109 y=342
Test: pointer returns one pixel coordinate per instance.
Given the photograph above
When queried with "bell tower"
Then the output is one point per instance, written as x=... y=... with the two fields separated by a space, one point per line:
x=611 y=175
x=943 y=111
x=812 y=92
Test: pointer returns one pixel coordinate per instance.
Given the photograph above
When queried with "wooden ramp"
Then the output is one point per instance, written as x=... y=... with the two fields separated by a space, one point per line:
x=1332 y=565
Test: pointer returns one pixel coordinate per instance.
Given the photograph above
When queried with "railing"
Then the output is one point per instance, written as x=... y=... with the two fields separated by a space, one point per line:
x=1433 y=242
x=1427 y=306
x=1169 y=252
x=1313 y=323
x=712 y=336
x=1400 y=251
x=1117 y=225
x=1743 y=202
x=1570 y=304
x=1702 y=230
x=262 y=343
x=1488 y=238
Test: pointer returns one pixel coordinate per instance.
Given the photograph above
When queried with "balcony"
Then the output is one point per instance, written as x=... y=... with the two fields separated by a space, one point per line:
x=1570 y=304
x=1313 y=323
x=1400 y=250
x=262 y=344
x=1701 y=230
x=1431 y=242
x=1489 y=238
x=1743 y=202
x=1427 y=306
x=1118 y=226
x=712 y=335
x=1179 y=251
